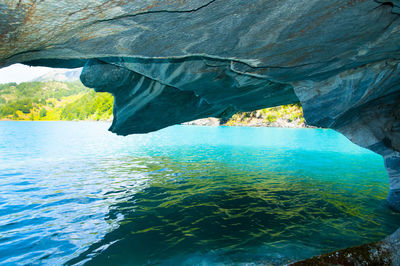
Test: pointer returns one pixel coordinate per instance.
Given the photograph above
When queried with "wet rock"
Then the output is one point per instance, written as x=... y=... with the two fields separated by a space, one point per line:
x=385 y=252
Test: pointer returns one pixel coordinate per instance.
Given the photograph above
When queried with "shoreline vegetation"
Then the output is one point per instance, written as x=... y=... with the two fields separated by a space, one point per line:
x=72 y=101
x=53 y=101
x=286 y=116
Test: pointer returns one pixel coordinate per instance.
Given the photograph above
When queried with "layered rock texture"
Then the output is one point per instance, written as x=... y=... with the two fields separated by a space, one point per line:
x=385 y=252
x=190 y=59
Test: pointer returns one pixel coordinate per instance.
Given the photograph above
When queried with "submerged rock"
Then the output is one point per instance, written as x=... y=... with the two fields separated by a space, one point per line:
x=168 y=62
x=385 y=252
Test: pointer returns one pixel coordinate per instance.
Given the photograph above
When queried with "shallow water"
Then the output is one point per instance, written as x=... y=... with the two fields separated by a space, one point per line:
x=71 y=192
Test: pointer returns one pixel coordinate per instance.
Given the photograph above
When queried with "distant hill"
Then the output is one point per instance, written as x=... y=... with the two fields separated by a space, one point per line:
x=67 y=75
x=53 y=100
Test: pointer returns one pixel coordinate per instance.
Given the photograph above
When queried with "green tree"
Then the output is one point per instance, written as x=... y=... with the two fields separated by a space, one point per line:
x=43 y=112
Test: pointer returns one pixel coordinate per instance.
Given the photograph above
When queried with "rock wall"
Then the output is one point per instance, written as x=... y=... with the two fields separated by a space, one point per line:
x=184 y=60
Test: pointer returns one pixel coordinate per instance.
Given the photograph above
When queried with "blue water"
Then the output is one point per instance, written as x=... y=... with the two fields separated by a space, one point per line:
x=71 y=192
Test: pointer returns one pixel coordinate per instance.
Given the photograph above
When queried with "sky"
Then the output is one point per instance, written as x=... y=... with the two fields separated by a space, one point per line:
x=20 y=73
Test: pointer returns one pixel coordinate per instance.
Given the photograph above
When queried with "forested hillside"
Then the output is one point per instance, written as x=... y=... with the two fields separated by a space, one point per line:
x=53 y=100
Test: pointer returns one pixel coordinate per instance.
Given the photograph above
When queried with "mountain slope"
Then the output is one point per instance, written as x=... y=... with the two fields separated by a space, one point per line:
x=53 y=100
x=67 y=75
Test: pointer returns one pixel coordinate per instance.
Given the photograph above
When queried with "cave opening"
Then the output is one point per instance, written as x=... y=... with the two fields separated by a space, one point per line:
x=224 y=194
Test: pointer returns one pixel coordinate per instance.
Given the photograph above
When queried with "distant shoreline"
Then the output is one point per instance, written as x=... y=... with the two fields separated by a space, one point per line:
x=11 y=120
x=72 y=101
x=199 y=122
x=250 y=122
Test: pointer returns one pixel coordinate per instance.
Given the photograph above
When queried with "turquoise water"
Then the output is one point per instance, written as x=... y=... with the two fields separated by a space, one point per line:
x=71 y=192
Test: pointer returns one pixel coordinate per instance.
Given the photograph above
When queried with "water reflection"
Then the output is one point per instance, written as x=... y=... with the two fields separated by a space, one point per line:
x=210 y=212
x=71 y=192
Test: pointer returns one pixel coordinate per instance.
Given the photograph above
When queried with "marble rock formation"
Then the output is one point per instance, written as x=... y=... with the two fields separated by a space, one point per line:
x=384 y=252
x=168 y=62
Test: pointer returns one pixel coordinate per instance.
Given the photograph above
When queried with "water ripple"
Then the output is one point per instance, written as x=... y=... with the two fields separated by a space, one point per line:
x=74 y=194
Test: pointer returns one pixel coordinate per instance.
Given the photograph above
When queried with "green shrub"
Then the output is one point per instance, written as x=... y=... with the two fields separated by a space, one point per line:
x=271 y=118
x=43 y=112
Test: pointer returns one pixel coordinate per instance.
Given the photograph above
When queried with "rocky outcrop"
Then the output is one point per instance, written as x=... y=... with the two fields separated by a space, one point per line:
x=185 y=60
x=385 y=252
x=209 y=121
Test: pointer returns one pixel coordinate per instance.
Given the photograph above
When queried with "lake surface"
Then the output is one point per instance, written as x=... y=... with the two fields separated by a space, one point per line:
x=71 y=192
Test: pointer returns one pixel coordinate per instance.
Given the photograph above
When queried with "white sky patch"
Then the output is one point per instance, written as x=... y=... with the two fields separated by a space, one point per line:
x=21 y=73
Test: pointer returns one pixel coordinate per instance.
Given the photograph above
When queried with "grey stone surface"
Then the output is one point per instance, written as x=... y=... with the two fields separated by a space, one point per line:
x=385 y=252
x=395 y=4
x=393 y=243
x=213 y=89
x=394 y=198
x=168 y=62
